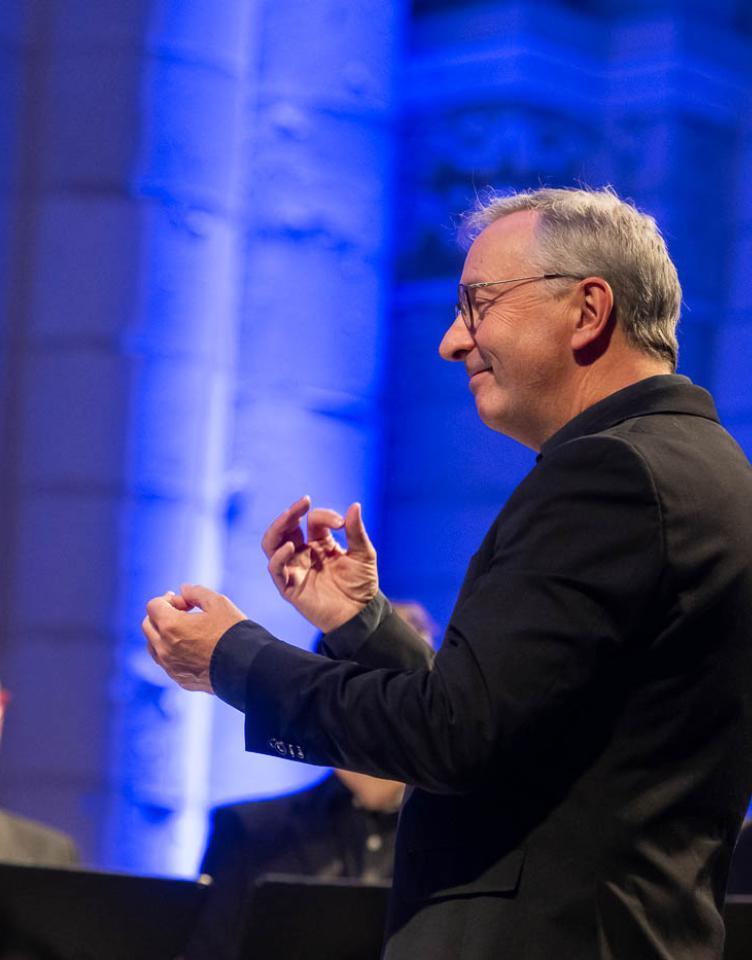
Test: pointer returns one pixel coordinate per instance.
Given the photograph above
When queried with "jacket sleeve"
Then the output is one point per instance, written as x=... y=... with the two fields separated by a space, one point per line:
x=378 y=637
x=572 y=579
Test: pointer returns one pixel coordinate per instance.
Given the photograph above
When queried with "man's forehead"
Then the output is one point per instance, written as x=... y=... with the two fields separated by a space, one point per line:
x=503 y=246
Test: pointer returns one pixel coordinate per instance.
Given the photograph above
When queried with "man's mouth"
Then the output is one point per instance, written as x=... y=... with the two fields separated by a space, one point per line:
x=476 y=376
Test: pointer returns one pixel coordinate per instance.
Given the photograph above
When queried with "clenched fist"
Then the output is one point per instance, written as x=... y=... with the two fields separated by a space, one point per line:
x=183 y=629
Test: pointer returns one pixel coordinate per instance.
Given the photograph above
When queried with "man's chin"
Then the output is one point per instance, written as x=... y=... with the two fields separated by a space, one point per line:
x=499 y=420
x=490 y=415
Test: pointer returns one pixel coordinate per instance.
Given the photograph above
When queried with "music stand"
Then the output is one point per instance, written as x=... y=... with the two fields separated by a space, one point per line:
x=305 y=918
x=72 y=914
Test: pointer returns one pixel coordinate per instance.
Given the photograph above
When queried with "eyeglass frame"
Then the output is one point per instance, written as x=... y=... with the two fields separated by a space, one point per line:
x=463 y=288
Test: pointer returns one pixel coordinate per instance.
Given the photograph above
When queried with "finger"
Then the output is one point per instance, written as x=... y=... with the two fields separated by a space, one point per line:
x=358 y=541
x=153 y=654
x=196 y=686
x=321 y=522
x=152 y=637
x=195 y=595
x=176 y=601
x=278 y=564
x=160 y=611
x=286 y=526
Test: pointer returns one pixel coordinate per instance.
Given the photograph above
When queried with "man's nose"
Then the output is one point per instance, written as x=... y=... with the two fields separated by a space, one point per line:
x=456 y=342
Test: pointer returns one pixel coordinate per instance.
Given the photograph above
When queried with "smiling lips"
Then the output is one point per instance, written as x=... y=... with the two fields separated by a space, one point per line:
x=476 y=373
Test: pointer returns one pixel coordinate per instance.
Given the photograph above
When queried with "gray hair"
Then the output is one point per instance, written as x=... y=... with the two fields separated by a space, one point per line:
x=589 y=232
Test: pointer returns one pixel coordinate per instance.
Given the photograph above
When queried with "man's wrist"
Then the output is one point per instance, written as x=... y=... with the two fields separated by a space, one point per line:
x=232 y=659
x=353 y=632
x=344 y=615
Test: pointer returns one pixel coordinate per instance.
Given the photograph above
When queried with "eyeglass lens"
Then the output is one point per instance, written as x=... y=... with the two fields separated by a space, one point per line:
x=464 y=307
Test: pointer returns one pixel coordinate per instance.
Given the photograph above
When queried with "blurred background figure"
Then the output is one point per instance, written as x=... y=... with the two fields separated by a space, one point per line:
x=26 y=841
x=343 y=827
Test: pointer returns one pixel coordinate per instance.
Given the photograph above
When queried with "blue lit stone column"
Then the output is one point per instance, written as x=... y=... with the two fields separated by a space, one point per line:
x=188 y=174
x=317 y=265
x=125 y=296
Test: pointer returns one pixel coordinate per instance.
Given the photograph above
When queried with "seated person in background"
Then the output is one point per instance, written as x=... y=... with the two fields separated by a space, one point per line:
x=26 y=841
x=343 y=826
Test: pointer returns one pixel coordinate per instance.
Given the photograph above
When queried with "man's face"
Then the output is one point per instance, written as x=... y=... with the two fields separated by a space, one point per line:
x=520 y=356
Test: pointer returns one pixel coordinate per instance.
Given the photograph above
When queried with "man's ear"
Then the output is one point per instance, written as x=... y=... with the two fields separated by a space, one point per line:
x=594 y=322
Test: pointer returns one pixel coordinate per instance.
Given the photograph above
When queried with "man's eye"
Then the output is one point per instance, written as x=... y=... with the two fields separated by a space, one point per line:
x=483 y=303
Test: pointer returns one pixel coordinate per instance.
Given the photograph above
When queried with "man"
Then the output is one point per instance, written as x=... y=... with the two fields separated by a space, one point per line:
x=342 y=827
x=581 y=751
x=24 y=841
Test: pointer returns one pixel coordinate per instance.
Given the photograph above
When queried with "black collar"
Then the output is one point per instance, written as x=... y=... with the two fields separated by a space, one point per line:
x=667 y=393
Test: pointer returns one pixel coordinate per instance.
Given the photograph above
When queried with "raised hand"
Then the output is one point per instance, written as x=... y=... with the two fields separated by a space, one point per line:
x=182 y=631
x=326 y=583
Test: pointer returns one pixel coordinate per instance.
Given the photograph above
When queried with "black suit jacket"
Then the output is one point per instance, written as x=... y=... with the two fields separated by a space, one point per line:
x=582 y=749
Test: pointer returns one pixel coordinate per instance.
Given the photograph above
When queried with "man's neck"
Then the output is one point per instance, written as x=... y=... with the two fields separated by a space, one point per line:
x=592 y=384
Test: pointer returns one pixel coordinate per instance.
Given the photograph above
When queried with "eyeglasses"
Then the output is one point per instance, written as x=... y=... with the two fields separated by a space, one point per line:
x=464 y=305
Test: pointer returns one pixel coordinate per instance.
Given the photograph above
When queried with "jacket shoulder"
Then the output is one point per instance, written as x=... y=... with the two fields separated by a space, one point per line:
x=601 y=468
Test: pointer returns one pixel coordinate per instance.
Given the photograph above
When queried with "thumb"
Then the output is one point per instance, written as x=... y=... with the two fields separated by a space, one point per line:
x=198 y=596
x=357 y=538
